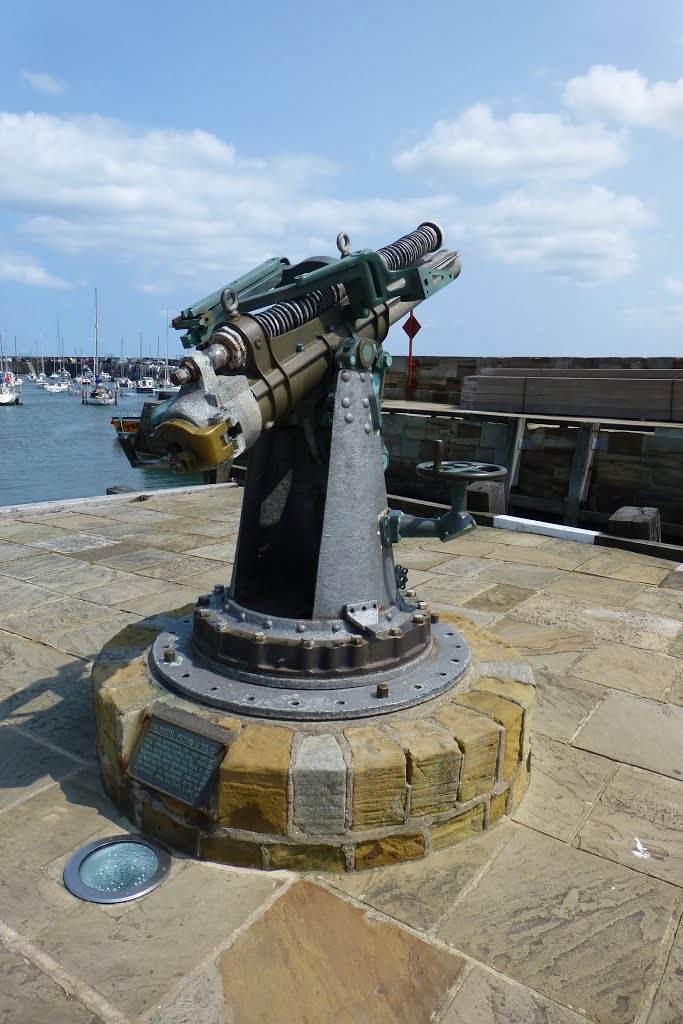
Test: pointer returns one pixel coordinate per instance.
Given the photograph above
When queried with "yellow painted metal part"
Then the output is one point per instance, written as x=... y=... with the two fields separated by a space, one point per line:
x=199 y=447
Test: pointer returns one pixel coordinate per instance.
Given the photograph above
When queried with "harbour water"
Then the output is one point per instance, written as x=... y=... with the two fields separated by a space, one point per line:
x=53 y=447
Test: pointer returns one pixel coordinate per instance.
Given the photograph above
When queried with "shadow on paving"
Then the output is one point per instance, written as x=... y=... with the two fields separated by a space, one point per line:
x=48 y=734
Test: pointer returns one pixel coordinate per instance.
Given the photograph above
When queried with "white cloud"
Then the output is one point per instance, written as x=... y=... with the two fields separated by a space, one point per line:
x=180 y=205
x=584 y=234
x=24 y=270
x=626 y=97
x=42 y=82
x=673 y=285
x=478 y=146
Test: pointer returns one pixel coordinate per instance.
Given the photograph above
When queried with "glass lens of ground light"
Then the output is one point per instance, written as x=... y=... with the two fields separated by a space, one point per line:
x=118 y=867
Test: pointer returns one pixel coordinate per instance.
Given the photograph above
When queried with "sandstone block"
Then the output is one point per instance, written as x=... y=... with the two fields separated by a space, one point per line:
x=512 y=689
x=379 y=778
x=509 y=715
x=119 y=712
x=319 y=776
x=478 y=738
x=133 y=638
x=433 y=764
x=445 y=833
x=157 y=823
x=230 y=851
x=497 y=807
x=252 y=784
x=306 y=858
x=120 y=666
x=376 y=853
x=520 y=692
x=520 y=785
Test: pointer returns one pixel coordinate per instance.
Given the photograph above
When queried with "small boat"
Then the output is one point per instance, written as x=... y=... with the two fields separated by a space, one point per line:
x=11 y=391
x=146 y=386
x=100 y=395
x=61 y=387
x=125 y=426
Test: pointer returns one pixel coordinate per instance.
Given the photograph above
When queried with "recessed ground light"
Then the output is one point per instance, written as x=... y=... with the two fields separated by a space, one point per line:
x=116 y=869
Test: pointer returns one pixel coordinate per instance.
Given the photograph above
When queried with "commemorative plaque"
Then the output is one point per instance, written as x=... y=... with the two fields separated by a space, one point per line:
x=176 y=761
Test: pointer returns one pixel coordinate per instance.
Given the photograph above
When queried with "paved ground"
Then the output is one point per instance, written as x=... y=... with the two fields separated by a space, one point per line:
x=570 y=912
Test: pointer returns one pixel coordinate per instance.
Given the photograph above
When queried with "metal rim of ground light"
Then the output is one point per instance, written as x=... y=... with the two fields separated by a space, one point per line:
x=75 y=885
x=417 y=682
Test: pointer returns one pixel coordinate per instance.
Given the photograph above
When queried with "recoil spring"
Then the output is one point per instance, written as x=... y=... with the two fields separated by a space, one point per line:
x=413 y=246
x=287 y=316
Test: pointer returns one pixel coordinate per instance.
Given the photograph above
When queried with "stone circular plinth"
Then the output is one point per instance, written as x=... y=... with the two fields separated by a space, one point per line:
x=338 y=795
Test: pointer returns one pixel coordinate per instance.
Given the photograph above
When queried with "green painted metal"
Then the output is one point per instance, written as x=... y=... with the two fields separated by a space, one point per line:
x=364 y=274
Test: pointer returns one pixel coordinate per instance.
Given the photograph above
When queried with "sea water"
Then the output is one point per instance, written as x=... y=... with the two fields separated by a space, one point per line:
x=53 y=447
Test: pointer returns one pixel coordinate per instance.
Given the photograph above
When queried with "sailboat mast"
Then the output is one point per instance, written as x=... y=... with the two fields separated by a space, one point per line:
x=97 y=327
x=167 y=379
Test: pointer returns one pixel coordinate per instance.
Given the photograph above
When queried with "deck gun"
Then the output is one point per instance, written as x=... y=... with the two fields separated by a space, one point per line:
x=268 y=354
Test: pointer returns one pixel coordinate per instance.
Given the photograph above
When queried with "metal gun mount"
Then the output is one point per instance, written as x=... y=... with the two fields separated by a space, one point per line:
x=317 y=622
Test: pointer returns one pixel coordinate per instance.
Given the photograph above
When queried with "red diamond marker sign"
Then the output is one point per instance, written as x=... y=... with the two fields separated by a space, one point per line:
x=412 y=326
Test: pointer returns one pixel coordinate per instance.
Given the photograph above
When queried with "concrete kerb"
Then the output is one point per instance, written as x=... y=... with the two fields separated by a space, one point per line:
x=301 y=796
x=42 y=508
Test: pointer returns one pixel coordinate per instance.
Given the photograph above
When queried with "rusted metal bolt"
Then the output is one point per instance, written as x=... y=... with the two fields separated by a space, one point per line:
x=382 y=690
x=434 y=617
x=181 y=376
x=223 y=627
x=356 y=640
x=170 y=654
x=395 y=631
x=260 y=638
x=423 y=604
x=409 y=593
x=203 y=599
x=306 y=642
x=202 y=613
x=418 y=618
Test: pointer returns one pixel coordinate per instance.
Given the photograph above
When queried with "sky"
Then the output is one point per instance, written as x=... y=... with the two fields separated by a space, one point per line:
x=156 y=151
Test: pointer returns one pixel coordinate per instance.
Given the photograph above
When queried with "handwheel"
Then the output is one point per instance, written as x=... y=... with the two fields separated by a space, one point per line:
x=458 y=472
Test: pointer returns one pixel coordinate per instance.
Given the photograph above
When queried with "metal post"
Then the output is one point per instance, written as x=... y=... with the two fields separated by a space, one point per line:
x=586 y=436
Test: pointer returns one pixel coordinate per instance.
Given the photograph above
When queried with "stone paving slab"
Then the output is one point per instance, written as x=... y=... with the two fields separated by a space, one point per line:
x=563 y=702
x=622 y=565
x=24 y=663
x=32 y=834
x=134 y=960
x=565 y=784
x=576 y=928
x=499 y=598
x=87 y=641
x=487 y=998
x=55 y=711
x=30 y=997
x=636 y=629
x=627 y=668
x=668 y=1003
x=636 y=731
x=418 y=892
x=638 y=821
x=27 y=765
x=592 y=590
x=357 y=971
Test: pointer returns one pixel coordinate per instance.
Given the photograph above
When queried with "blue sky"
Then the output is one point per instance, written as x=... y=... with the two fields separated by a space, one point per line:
x=157 y=151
